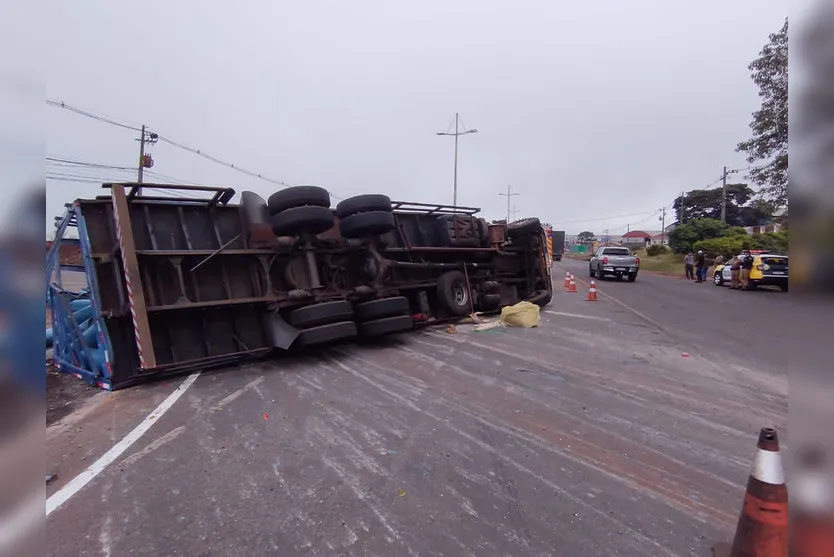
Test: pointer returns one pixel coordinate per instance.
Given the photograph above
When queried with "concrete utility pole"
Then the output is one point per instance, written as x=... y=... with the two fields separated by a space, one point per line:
x=662 y=225
x=509 y=195
x=141 y=155
x=514 y=211
x=145 y=138
x=724 y=196
x=457 y=134
x=724 y=193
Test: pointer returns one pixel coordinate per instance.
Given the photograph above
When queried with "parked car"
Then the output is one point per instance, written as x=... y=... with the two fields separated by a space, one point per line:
x=768 y=270
x=614 y=261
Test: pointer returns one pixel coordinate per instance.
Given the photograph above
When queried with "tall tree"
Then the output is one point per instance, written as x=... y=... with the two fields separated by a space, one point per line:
x=706 y=204
x=770 y=123
x=586 y=237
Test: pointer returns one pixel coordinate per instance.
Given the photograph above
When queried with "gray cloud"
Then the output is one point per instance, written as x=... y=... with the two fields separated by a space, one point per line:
x=586 y=110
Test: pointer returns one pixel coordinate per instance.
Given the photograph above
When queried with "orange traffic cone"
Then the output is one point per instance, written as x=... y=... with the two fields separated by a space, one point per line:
x=592 y=292
x=762 y=529
x=572 y=285
x=567 y=279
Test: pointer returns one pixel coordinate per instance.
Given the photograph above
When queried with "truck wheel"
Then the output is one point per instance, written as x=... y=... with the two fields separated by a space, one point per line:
x=632 y=277
x=320 y=314
x=386 y=307
x=298 y=196
x=524 y=226
x=311 y=218
x=718 y=279
x=363 y=204
x=372 y=223
x=386 y=326
x=591 y=273
x=453 y=293
x=327 y=333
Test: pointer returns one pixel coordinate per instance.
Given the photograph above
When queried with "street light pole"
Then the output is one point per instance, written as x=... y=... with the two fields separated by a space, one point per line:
x=457 y=134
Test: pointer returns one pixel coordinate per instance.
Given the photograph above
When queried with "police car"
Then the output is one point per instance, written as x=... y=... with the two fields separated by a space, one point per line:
x=769 y=269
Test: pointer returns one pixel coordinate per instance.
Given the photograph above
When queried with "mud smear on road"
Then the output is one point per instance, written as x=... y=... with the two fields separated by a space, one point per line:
x=65 y=394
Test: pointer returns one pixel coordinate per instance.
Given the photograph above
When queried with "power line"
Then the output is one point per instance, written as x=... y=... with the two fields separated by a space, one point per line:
x=170 y=141
x=88 y=114
x=596 y=219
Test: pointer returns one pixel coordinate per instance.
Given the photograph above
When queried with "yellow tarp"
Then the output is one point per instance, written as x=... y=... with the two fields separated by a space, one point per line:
x=522 y=314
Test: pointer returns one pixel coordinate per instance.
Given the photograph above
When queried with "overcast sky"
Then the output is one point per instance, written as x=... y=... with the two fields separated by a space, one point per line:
x=588 y=110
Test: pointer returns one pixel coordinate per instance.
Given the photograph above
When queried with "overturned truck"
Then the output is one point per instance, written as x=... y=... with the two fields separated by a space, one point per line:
x=187 y=280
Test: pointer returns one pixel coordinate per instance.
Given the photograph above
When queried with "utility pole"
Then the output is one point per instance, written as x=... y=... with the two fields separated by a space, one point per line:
x=514 y=211
x=724 y=193
x=724 y=196
x=662 y=225
x=457 y=134
x=680 y=209
x=144 y=138
x=509 y=195
x=141 y=155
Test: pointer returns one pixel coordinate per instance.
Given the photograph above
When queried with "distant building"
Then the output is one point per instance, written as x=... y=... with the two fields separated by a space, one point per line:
x=637 y=237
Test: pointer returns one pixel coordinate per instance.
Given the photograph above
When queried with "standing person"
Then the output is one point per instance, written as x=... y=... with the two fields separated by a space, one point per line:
x=746 y=267
x=735 y=271
x=700 y=266
x=689 y=265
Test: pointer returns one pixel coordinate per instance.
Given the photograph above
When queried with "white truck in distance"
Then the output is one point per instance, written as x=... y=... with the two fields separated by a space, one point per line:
x=614 y=261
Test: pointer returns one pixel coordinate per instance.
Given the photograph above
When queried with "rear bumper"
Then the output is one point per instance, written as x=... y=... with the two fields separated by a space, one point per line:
x=770 y=281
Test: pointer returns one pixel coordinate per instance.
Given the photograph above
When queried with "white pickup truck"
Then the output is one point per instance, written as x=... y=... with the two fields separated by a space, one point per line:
x=614 y=261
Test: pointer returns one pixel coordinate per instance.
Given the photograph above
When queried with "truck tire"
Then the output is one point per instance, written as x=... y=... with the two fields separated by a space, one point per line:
x=327 y=333
x=632 y=277
x=363 y=204
x=386 y=307
x=591 y=272
x=298 y=196
x=310 y=218
x=524 y=226
x=386 y=326
x=372 y=223
x=453 y=293
x=320 y=314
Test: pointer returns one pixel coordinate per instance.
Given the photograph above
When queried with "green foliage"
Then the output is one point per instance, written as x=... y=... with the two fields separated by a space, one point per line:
x=770 y=123
x=655 y=250
x=683 y=238
x=706 y=204
x=586 y=237
x=731 y=245
x=728 y=246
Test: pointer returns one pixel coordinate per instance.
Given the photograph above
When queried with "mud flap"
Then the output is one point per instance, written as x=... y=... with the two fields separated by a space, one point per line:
x=280 y=334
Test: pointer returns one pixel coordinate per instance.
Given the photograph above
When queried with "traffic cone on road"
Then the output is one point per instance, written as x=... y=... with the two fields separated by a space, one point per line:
x=762 y=529
x=567 y=279
x=572 y=285
x=592 y=292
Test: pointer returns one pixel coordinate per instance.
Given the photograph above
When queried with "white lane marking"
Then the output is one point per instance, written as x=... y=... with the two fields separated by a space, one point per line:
x=77 y=483
x=576 y=315
x=767 y=468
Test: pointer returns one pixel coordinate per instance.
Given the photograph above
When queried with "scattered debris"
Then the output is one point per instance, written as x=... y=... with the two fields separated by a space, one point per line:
x=685 y=354
x=402 y=493
x=50 y=478
x=451 y=329
x=523 y=314
x=266 y=416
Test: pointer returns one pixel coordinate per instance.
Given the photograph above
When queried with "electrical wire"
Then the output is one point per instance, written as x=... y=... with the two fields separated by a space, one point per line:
x=170 y=141
x=88 y=114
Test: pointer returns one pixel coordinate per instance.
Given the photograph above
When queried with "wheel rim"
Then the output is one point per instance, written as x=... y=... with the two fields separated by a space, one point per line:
x=460 y=295
x=717 y=279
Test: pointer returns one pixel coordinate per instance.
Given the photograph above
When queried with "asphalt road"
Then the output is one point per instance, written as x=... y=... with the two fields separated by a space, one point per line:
x=590 y=435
